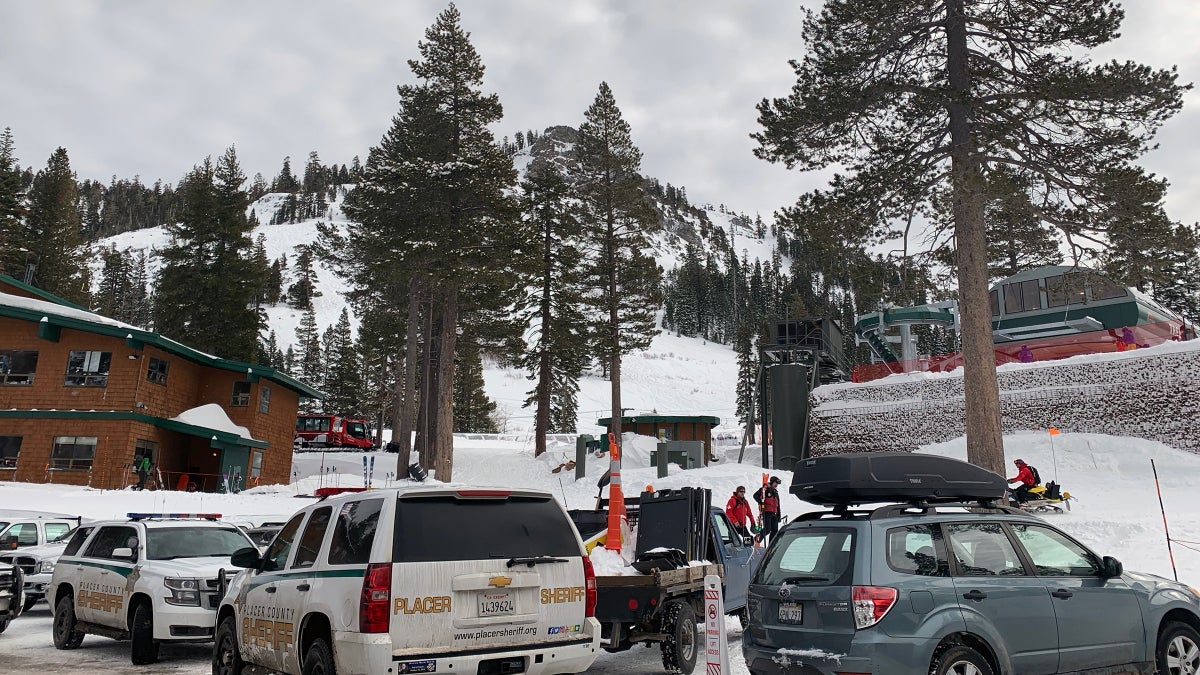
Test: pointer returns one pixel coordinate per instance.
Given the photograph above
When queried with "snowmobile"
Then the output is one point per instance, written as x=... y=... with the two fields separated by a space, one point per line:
x=1048 y=498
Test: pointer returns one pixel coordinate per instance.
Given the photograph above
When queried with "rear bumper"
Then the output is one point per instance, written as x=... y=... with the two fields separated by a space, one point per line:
x=371 y=653
x=869 y=652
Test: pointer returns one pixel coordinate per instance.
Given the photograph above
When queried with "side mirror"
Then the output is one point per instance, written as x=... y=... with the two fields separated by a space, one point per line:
x=247 y=558
x=1111 y=567
x=124 y=553
x=9 y=543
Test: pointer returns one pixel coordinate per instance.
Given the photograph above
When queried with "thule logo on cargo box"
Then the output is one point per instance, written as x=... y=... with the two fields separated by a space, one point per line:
x=916 y=481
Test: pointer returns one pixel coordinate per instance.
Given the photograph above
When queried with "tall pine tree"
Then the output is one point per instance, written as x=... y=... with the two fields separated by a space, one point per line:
x=54 y=232
x=616 y=216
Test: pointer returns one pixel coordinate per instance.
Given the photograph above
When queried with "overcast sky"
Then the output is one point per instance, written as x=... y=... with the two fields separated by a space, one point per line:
x=149 y=88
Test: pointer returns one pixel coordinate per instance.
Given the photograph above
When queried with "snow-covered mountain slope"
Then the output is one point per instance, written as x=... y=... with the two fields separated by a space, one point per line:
x=677 y=375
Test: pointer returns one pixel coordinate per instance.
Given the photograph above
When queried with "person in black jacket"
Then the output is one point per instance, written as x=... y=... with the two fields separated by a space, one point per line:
x=768 y=506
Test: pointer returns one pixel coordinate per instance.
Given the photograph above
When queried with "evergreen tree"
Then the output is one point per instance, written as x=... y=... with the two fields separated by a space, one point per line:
x=286 y=180
x=1180 y=289
x=556 y=354
x=139 y=306
x=271 y=355
x=910 y=100
x=302 y=292
x=54 y=232
x=206 y=287
x=112 y=294
x=434 y=206
x=1142 y=240
x=13 y=237
x=344 y=382
x=615 y=215
x=307 y=362
x=473 y=410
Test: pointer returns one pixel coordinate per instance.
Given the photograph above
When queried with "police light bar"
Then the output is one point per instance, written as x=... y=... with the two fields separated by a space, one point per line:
x=144 y=516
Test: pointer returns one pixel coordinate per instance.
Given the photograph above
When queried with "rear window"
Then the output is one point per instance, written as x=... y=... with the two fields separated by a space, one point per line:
x=354 y=533
x=445 y=528
x=808 y=557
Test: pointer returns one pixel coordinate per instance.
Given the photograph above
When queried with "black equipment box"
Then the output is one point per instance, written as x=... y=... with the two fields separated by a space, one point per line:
x=871 y=477
x=674 y=519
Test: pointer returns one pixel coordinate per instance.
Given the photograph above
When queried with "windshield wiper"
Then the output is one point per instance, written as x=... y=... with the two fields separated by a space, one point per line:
x=793 y=580
x=536 y=560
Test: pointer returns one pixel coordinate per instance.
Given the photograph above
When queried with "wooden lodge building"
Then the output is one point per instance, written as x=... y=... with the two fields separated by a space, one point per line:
x=83 y=397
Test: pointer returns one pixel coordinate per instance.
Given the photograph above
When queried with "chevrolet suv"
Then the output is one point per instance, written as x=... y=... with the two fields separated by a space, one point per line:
x=948 y=581
x=415 y=580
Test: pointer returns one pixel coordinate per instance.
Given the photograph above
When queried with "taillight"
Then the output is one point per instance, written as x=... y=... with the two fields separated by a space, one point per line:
x=871 y=604
x=589 y=587
x=376 y=597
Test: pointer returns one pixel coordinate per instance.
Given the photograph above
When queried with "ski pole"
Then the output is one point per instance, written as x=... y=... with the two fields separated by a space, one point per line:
x=1170 y=553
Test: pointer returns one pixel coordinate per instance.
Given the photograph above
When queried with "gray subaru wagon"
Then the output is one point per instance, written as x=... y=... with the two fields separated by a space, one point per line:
x=949 y=580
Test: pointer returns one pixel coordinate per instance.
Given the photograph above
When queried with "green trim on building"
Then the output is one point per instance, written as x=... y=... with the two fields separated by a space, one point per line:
x=217 y=439
x=49 y=326
x=650 y=419
x=44 y=295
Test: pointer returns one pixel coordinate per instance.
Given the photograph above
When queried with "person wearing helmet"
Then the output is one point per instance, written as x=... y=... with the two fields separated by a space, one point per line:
x=1025 y=477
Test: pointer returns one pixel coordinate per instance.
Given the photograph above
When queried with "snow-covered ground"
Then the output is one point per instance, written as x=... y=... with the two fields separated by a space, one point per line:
x=1116 y=513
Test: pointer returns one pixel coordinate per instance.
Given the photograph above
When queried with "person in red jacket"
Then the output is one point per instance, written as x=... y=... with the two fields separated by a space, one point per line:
x=738 y=510
x=1025 y=478
x=767 y=497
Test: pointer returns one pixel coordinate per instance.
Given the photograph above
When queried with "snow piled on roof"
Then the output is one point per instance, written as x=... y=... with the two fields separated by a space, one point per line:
x=212 y=416
x=54 y=309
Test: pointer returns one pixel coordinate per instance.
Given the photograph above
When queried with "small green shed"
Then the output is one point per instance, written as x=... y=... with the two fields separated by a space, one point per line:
x=669 y=428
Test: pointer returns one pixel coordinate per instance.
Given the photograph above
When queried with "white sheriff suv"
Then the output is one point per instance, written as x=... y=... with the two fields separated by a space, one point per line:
x=415 y=580
x=149 y=579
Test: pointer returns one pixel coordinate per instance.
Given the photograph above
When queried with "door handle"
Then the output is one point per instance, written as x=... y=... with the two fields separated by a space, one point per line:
x=1062 y=593
x=270 y=589
x=303 y=587
x=974 y=595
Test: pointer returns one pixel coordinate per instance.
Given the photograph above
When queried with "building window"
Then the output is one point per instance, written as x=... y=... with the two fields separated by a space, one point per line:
x=157 y=371
x=264 y=399
x=256 y=463
x=1022 y=296
x=994 y=301
x=144 y=448
x=17 y=366
x=1105 y=289
x=241 y=395
x=10 y=449
x=88 y=369
x=1064 y=289
x=73 y=452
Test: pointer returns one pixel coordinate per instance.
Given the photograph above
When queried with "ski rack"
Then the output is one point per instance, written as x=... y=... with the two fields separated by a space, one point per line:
x=901 y=508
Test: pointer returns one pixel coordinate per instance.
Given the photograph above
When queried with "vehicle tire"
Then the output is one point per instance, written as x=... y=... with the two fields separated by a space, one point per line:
x=4 y=624
x=29 y=603
x=680 y=649
x=1178 y=650
x=143 y=647
x=66 y=636
x=318 y=660
x=227 y=659
x=960 y=660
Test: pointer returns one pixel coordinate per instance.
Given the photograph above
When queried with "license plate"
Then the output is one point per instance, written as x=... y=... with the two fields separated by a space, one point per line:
x=791 y=612
x=495 y=604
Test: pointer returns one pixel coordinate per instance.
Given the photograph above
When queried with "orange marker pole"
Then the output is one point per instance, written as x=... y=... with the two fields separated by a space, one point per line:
x=1170 y=553
x=616 y=498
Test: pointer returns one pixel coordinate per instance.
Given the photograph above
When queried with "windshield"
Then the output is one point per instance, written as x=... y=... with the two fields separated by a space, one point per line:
x=168 y=543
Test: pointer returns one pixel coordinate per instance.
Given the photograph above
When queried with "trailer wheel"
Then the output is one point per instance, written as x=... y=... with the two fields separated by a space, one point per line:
x=680 y=649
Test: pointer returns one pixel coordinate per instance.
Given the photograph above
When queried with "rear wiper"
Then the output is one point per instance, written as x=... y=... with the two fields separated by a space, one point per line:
x=793 y=580
x=536 y=560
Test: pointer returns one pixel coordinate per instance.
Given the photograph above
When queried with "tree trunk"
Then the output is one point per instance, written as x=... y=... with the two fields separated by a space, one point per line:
x=406 y=385
x=444 y=439
x=424 y=400
x=542 y=423
x=985 y=443
x=614 y=327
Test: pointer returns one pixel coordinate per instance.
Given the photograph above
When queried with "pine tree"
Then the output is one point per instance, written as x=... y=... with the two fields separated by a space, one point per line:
x=556 y=354
x=615 y=215
x=344 y=382
x=206 y=287
x=434 y=205
x=1142 y=240
x=286 y=180
x=54 y=232
x=139 y=306
x=308 y=365
x=112 y=293
x=473 y=410
x=907 y=101
x=302 y=292
x=12 y=211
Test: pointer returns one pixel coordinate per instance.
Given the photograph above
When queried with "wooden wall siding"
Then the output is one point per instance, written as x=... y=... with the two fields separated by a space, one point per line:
x=1153 y=394
x=189 y=385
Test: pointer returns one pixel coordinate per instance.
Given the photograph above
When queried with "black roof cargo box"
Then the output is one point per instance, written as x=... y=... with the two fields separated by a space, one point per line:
x=871 y=477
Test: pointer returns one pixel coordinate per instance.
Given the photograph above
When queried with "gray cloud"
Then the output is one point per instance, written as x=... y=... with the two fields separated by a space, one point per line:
x=150 y=88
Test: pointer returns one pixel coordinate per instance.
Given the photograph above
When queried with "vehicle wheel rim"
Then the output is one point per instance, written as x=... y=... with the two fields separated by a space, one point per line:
x=60 y=625
x=1183 y=656
x=688 y=644
x=225 y=655
x=965 y=668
